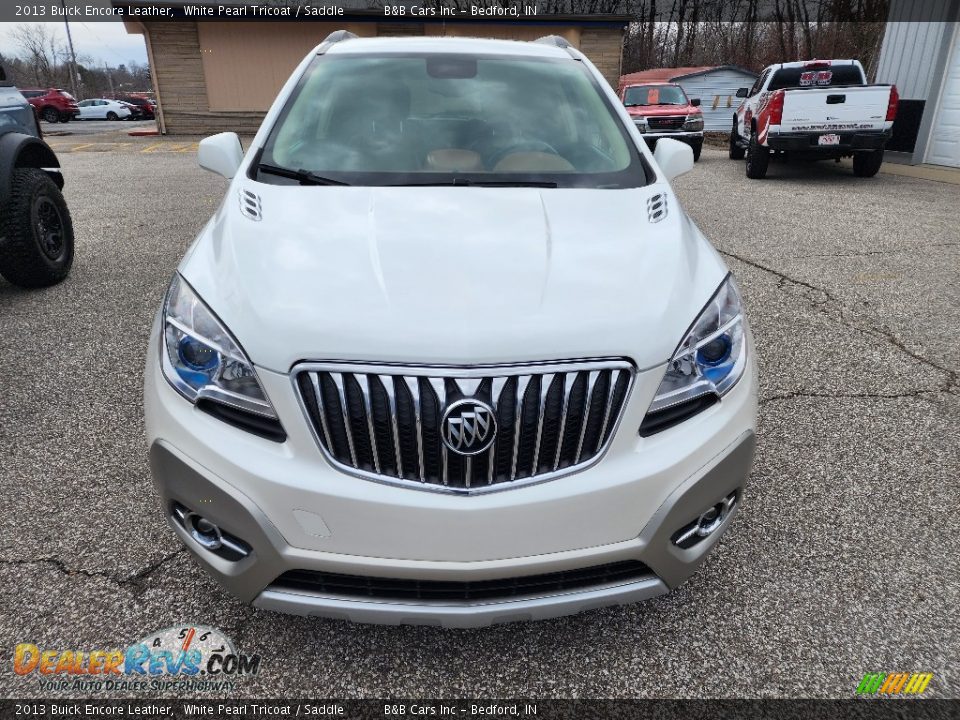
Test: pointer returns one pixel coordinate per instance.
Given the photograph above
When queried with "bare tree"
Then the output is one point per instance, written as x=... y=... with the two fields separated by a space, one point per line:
x=40 y=49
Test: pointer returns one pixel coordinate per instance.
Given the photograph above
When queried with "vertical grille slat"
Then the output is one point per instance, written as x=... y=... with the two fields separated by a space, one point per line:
x=386 y=423
x=545 y=382
x=388 y=385
x=591 y=384
x=564 y=399
x=413 y=386
x=522 y=385
x=367 y=387
x=339 y=381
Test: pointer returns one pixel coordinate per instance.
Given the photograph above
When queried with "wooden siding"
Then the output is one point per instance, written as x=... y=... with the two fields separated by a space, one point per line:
x=246 y=64
x=604 y=47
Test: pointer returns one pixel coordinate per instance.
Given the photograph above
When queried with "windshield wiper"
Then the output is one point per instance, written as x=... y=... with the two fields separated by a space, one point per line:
x=305 y=177
x=463 y=182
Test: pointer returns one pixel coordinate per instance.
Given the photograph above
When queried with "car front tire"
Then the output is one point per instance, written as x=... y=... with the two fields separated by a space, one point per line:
x=758 y=158
x=112 y=116
x=37 y=232
x=50 y=115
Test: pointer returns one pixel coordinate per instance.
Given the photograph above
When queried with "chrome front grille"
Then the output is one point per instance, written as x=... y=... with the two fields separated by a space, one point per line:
x=669 y=122
x=388 y=423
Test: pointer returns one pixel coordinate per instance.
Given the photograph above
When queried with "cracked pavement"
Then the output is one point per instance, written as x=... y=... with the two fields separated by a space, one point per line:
x=843 y=560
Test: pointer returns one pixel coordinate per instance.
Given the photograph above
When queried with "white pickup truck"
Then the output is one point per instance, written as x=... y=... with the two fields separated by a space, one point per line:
x=822 y=109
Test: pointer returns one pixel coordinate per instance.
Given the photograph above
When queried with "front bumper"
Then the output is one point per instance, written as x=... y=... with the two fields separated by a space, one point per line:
x=682 y=135
x=687 y=136
x=295 y=512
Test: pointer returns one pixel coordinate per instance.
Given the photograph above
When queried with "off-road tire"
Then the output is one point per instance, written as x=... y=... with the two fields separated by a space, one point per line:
x=736 y=152
x=36 y=233
x=50 y=114
x=758 y=158
x=867 y=164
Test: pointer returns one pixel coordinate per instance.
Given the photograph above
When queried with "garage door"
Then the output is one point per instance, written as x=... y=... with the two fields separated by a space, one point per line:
x=944 y=147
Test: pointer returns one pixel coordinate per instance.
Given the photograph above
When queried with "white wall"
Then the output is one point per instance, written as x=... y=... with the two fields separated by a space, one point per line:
x=717 y=92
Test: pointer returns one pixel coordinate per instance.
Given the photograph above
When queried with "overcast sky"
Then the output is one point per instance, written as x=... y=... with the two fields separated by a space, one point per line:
x=104 y=42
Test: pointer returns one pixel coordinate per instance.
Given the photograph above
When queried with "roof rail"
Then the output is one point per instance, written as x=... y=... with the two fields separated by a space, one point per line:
x=554 y=40
x=339 y=35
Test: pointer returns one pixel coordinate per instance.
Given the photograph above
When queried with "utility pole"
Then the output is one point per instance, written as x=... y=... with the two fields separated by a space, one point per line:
x=74 y=79
x=109 y=77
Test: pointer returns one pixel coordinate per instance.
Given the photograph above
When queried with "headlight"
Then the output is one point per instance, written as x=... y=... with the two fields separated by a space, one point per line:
x=694 y=123
x=641 y=123
x=200 y=358
x=711 y=357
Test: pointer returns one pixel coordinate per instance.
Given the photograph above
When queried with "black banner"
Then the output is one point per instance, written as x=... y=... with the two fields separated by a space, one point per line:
x=809 y=11
x=855 y=709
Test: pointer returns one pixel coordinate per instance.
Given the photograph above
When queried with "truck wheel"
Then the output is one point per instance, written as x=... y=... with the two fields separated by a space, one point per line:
x=50 y=115
x=867 y=164
x=736 y=152
x=758 y=158
x=697 y=146
x=37 y=232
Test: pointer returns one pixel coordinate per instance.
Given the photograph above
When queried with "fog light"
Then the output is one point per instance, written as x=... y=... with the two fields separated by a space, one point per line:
x=209 y=535
x=706 y=524
x=203 y=531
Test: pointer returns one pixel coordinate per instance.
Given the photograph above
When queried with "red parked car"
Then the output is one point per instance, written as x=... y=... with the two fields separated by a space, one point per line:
x=663 y=110
x=53 y=104
x=146 y=106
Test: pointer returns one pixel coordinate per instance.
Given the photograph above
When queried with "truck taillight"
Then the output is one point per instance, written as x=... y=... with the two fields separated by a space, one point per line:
x=776 y=107
x=817 y=64
x=892 y=103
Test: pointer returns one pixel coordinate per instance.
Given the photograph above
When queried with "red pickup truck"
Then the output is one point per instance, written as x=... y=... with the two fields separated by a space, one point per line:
x=53 y=104
x=663 y=110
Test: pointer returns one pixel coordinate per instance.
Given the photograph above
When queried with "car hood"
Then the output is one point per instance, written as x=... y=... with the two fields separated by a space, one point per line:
x=452 y=275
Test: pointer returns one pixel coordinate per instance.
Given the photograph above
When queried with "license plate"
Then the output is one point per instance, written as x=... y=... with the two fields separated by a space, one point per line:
x=829 y=139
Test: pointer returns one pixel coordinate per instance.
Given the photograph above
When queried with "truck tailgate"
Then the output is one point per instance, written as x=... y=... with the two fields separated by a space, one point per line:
x=856 y=107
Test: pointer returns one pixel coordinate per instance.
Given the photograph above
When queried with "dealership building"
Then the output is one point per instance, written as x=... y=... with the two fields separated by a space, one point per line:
x=921 y=55
x=211 y=76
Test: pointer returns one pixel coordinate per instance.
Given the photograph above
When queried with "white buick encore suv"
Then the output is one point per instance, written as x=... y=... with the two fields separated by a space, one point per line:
x=450 y=351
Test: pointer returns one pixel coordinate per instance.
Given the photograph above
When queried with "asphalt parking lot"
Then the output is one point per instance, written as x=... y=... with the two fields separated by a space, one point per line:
x=844 y=559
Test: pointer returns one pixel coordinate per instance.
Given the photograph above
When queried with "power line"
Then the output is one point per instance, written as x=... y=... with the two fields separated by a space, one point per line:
x=105 y=45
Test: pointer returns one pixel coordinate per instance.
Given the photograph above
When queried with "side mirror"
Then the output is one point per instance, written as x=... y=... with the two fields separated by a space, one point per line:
x=742 y=92
x=674 y=157
x=221 y=153
x=695 y=102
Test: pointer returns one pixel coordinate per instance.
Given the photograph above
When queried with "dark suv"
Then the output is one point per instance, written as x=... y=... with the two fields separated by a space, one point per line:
x=53 y=104
x=36 y=232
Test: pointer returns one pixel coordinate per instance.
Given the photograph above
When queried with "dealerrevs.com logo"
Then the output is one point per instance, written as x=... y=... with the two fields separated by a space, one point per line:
x=186 y=657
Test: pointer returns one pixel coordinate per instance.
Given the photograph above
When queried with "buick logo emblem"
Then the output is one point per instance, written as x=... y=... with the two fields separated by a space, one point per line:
x=468 y=427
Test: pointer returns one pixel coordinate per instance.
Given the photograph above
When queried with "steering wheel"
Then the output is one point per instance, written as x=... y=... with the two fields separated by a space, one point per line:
x=521 y=146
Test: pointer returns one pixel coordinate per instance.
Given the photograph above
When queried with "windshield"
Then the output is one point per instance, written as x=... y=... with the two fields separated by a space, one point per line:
x=654 y=95
x=450 y=119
